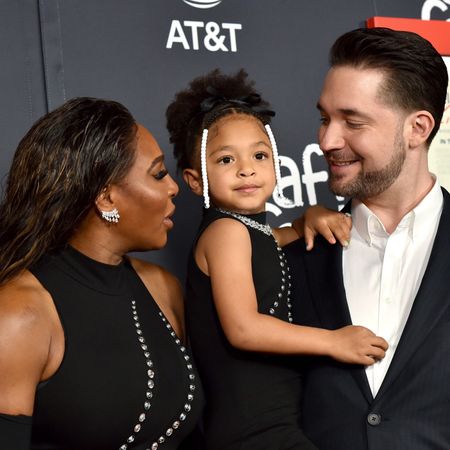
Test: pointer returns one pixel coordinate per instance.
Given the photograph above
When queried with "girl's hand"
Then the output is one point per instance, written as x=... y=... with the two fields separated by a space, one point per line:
x=332 y=225
x=356 y=345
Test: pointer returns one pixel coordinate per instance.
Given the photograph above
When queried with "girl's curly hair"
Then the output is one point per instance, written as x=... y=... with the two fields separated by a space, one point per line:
x=207 y=99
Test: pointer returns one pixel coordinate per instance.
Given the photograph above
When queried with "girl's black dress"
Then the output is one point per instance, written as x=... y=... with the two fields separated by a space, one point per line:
x=252 y=399
x=126 y=381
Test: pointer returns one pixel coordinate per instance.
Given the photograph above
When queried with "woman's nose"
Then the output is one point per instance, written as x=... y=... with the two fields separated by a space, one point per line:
x=173 y=187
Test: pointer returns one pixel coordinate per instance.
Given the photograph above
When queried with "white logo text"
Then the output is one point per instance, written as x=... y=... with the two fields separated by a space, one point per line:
x=192 y=34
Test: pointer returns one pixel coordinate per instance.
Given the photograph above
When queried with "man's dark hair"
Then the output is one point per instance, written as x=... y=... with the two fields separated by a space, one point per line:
x=416 y=75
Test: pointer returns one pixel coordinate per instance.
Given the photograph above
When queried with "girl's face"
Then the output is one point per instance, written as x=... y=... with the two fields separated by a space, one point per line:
x=239 y=164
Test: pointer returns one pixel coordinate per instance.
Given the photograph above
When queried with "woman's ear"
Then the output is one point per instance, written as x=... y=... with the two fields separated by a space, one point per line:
x=104 y=201
x=421 y=126
x=193 y=180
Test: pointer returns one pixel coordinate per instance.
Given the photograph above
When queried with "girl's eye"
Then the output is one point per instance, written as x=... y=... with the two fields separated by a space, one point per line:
x=161 y=174
x=261 y=155
x=226 y=160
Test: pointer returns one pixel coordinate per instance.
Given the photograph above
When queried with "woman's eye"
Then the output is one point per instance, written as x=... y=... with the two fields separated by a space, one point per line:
x=225 y=160
x=161 y=174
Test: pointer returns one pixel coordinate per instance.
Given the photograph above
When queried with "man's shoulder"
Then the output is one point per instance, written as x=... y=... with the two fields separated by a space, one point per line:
x=445 y=216
x=446 y=197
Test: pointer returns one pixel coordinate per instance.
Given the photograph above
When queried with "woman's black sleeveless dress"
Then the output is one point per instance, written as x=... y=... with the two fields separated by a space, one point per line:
x=126 y=381
x=252 y=399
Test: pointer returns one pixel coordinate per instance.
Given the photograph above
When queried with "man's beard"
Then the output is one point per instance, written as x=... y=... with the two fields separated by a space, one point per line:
x=371 y=184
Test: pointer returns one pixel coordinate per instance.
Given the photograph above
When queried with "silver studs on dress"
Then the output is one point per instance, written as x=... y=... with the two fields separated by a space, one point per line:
x=285 y=284
x=190 y=396
x=266 y=229
x=150 y=382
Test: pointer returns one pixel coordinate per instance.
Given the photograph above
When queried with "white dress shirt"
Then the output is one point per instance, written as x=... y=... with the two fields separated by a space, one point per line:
x=382 y=272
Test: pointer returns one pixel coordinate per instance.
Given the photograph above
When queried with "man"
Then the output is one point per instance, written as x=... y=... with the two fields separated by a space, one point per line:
x=381 y=105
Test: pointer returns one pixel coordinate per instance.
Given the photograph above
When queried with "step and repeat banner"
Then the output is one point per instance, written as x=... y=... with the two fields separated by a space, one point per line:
x=140 y=52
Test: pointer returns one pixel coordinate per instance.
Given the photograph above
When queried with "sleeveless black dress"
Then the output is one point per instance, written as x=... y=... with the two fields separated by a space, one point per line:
x=252 y=399
x=126 y=381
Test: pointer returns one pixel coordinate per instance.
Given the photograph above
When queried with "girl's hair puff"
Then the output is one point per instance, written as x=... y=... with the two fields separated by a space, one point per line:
x=207 y=99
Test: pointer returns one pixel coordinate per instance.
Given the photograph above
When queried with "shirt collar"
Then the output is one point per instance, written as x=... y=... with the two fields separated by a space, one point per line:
x=428 y=211
x=417 y=221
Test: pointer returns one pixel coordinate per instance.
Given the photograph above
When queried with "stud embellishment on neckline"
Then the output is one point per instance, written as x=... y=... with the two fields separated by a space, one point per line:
x=150 y=380
x=285 y=275
x=264 y=228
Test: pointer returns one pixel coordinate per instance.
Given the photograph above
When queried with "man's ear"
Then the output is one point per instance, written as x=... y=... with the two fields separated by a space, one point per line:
x=421 y=125
x=193 y=180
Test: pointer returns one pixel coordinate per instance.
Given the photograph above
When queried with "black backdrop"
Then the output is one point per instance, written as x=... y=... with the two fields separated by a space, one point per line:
x=140 y=52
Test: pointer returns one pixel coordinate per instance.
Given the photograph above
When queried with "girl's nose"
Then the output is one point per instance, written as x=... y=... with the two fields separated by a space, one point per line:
x=246 y=171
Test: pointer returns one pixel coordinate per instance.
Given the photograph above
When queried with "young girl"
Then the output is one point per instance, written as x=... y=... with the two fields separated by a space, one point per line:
x=238 y=303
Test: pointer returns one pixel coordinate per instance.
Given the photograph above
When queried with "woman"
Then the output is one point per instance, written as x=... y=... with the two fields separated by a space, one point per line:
x=91 y=341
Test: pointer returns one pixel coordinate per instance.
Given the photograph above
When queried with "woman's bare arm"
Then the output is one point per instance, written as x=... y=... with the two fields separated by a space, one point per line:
x=31 y=342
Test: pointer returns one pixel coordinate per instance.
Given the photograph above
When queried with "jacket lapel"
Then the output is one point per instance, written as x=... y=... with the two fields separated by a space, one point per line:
x=430 y=303
x=324 y=271
x=324 y=268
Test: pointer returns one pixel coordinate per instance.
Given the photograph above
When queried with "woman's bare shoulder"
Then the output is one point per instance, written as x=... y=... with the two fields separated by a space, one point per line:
x=23 y=300
x=156 y=274
x=26 y=327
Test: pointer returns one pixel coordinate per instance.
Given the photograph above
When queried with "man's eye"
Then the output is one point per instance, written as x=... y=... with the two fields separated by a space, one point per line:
x=354 y=125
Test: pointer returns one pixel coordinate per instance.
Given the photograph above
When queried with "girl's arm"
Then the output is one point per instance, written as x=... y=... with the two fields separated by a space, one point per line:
x=224 y=253
x=317 y=219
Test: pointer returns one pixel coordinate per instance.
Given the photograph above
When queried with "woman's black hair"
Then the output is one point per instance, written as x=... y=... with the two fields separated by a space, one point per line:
x=58 y=170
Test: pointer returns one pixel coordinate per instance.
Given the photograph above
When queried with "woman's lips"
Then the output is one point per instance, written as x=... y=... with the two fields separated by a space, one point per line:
x=168 y=219
x=168 y=222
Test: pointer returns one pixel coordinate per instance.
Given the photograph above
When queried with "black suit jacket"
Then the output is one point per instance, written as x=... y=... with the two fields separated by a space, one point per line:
x=412 y=408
